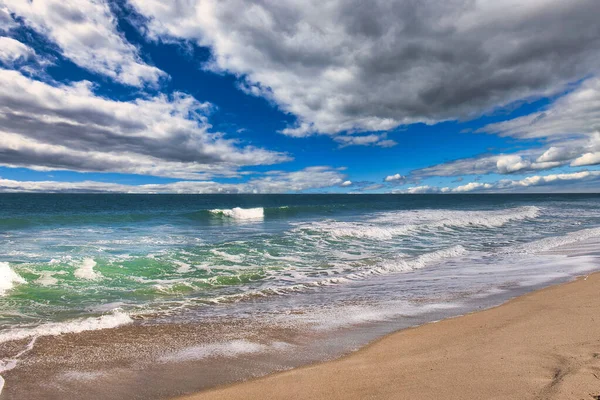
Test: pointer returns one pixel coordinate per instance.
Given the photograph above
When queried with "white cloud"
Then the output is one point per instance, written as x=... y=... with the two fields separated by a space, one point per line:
x=350 y=65
x=587 y=159
x=396 y=178
x=67 y=126
x=575 y=181
x=318 y=177
x=561 y=153
x=12 y=50
x=519 y=162
x=576 y=113
x=6 y=21
x=418 y=190
x=469 y=187
x=86 y=33
x=511 y=163
x=346 y=183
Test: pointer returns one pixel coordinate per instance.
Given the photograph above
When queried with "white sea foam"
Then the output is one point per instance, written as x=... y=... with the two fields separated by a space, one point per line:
x=241 y=213
x=549 y=243
x=8 y=278
x=390 y=224
x=8 y=364
x=86 y=270
x=222 y=349
x=47 y=278
x=399 y=265
x=227 y=257
x=333 y=318
x=113 y=320
x=422 y=261
x=182 y=267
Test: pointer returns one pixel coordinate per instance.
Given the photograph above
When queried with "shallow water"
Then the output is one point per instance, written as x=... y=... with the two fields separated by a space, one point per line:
x=267 y=274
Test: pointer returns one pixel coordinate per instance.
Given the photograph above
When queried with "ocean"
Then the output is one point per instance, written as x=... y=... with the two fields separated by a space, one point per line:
x=256 y=278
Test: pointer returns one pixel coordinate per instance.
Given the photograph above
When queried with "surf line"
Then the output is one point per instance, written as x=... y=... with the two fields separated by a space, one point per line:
x=10 y=363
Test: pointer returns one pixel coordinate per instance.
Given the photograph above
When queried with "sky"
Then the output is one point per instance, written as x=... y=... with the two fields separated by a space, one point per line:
x=311 y=96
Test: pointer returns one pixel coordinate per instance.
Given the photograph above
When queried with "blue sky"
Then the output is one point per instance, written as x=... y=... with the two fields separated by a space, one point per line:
x=264 y=96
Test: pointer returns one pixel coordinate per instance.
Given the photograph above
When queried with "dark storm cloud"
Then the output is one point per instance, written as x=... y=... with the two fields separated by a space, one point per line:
x=352 y=65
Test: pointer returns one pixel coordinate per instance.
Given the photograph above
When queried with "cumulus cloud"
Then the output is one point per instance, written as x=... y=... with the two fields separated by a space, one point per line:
x=350 y=65
x=488 y=164
x=68 y=126
x=12 y=50
x=318 y=177
x=554 y=154
x=587 y=159
x=423 y=189
x=581 y=181
x=396 y=178
x=86 y=33
x=511 y=163
x=346 y=183
x=562 y=153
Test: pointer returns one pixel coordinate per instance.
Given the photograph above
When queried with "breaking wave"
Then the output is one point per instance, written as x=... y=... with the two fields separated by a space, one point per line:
x=243 y=214
x=388 y=225
x=107 y=321
x=8 y=278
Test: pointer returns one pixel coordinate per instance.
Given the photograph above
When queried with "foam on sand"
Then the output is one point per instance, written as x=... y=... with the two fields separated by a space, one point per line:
x=8 y=278
x=230 y=348
x=8 y=364
x=86 y=270
x=241 y=214
x=107 y=321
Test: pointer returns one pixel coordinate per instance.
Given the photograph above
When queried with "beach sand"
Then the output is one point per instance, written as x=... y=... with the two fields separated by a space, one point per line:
x=543 y=345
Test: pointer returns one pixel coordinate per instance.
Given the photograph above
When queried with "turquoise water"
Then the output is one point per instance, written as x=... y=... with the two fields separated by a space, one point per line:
x=65 y=257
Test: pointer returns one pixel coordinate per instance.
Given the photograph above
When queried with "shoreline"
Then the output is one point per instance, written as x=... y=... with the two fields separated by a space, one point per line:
x=540 y=345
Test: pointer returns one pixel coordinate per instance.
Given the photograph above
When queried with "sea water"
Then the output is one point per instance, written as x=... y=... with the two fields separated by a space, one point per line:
x=71 y=263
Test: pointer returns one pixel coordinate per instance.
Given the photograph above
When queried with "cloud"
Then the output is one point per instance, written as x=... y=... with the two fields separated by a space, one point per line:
x=375 y=186
x=318 y=177
x=86 y=33
x=346 y=183
x=6 y=20
x=519 y=162
x=67 y=126
x=367 y=140
x=469 y=187
x=554 y=154
x=581 y=181
x=576 y=113
x=587 y=159
x=562 y=152
x=423 y=189
x=350 y=65
x=12 y=50
x=511 y=163
x=396 y=178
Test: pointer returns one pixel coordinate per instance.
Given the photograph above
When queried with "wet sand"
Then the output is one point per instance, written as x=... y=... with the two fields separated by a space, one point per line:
x=543 y=345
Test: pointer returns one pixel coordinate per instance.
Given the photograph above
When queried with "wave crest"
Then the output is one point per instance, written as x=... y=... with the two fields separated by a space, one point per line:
x=107 y=321
x=238 y=213
x=8 y=278
x=393 y=224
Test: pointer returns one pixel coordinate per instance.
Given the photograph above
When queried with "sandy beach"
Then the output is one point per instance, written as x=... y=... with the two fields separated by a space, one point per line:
x=543 y=345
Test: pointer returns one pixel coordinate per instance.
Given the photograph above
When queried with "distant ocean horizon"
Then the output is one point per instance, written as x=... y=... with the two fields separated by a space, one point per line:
x=283 y=265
